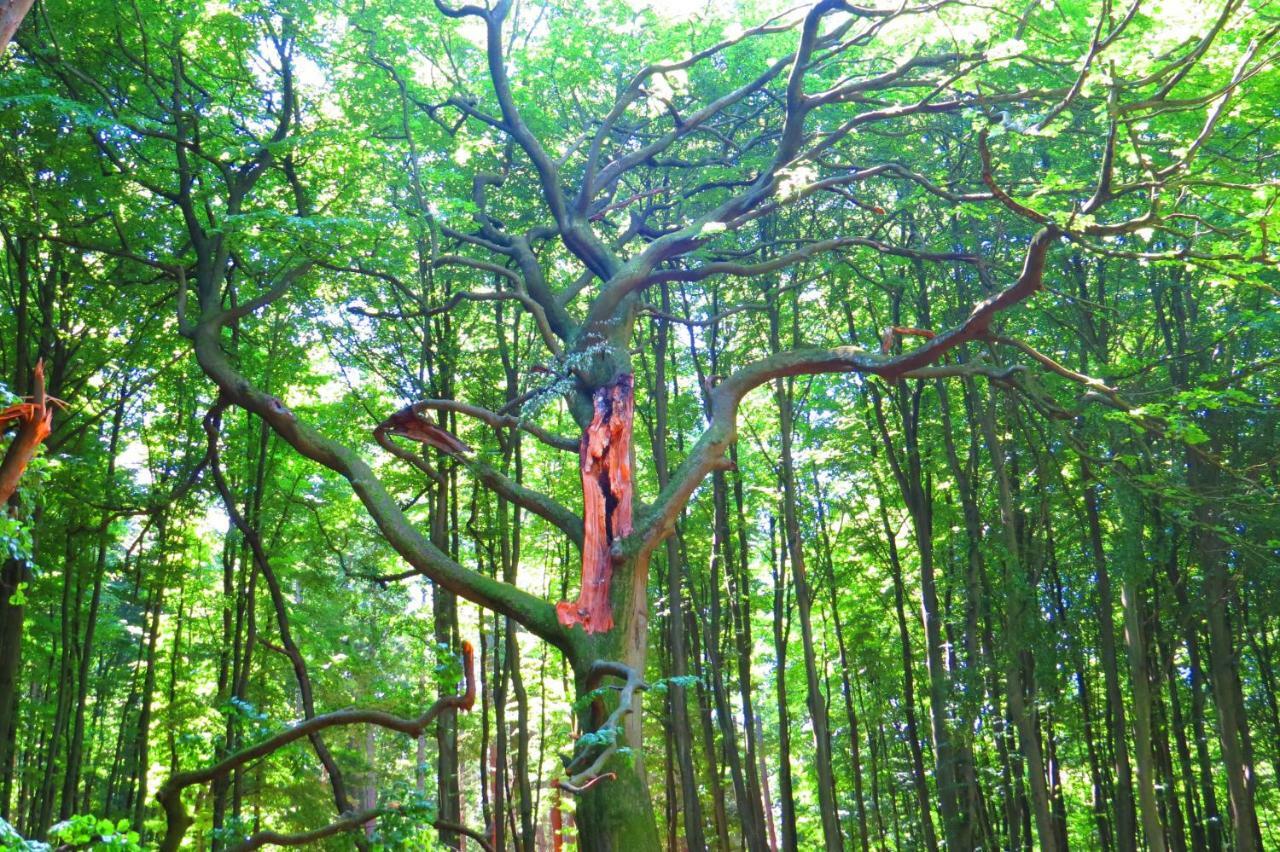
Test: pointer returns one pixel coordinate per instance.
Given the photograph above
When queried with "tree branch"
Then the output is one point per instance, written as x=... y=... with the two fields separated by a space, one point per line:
x=709 y=452
x=532 y=612
x=170 y=794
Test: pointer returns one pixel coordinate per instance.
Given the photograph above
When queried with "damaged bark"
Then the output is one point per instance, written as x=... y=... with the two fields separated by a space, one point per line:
x=604 y=457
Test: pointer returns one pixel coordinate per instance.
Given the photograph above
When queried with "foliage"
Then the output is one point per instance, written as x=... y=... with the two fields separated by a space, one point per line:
x=1025 y=591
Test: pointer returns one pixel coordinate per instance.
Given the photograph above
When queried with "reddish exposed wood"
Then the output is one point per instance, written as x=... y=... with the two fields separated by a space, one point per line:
x=557 y=821
x=468 y=698
x=35 y=423
x=604 y=457
x=895 y=331
x=11 y=14
x=407 y=423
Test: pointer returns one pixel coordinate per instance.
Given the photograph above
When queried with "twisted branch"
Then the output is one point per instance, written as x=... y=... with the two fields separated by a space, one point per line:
x=177 y=820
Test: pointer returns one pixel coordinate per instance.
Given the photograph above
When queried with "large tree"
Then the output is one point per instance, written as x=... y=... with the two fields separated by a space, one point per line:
x=575 y=188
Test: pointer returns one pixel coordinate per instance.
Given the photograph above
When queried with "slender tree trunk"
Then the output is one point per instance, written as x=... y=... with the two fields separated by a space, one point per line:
x=758 y=805
x=917 y=493
x=1224 y=676
x=142 y=751
x=787 y=834
x=1140 y=681
x=721 y=565
x=767 y=801
x=704 y=669
x=677 y=698
x=1099 y=781
x=919 y=777
x=1126 y=817
x=444 y=609
x=75 y=757
x=1019 y=676
x=855 y=745
x=827 y=802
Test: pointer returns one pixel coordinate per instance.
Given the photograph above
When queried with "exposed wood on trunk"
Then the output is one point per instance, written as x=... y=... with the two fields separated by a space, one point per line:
x=605 y=462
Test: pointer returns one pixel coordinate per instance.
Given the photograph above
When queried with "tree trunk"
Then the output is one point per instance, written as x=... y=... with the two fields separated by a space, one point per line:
x=758 y=808
x=827 y=805
x=1224 y=676
x=787 y=835
x=71 y=782
x=444 y=607
x=616 y=814
x=13 y=574
x=1126 y=827
x=613 y=814
x=1140 y=681
x=1019 y=674
x=677 y=698
x=917 y=493
x=919 y=777
x=846 y=690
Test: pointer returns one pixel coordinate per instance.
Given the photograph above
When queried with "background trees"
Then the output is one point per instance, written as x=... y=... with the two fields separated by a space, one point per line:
x=1004 y=497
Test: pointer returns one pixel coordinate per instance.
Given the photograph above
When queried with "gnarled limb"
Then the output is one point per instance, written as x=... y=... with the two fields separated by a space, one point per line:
x=709 y=452
x=536 y=502
x=170 y=794
x=635 y=88
x=348 y=821
x=525 y=609
x=497 y=421
x=351 y=821
x=535 y=308
x=408 y=423
x=573 y=228
x=586 y=767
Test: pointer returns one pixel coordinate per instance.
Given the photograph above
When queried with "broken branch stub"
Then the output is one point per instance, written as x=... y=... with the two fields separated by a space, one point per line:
x=604 y=459
x=35 y=423
x=408 y=423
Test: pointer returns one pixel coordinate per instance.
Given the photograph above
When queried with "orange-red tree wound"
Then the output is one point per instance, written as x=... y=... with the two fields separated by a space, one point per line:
x=604 y=459
x=467 y=700
x=35 y=423
x=557 y=820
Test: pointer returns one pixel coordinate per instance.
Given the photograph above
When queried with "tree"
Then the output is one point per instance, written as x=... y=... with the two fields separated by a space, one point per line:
x=579 y=188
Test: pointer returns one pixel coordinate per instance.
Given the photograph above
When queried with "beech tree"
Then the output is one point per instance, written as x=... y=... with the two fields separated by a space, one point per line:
x=689 y=177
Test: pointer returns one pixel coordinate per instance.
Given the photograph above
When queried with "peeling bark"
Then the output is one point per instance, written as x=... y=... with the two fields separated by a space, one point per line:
x=604 y=456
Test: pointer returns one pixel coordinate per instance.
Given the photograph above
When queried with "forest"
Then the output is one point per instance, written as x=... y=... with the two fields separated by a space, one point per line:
x=625 y=425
